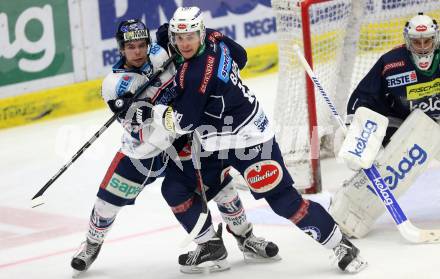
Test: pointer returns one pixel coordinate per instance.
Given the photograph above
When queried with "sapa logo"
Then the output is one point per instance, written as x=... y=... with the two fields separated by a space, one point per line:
x=11 y=44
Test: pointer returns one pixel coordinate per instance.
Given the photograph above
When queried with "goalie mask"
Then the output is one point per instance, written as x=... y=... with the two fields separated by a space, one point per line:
x=422 y=39
x=132 y=30
x=186 y=20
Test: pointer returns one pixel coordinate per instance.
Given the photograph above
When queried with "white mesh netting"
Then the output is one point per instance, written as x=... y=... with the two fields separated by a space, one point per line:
x=347 y=37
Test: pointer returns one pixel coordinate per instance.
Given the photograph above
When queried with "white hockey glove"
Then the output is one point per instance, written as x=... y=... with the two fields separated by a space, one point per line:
x=338 y=140
x=364 y=139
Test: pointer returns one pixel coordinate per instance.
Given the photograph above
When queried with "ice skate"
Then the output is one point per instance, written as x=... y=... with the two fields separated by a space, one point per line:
x=256 y=249
x=84 y=257
x=208 y=257
x=347 y=257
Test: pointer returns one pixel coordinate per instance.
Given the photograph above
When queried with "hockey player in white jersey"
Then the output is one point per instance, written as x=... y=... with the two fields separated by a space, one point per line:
x=396 y=105
x=140 y=160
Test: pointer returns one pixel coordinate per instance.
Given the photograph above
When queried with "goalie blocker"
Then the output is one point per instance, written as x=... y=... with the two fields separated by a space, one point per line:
x=355 y=207
x=364 y=139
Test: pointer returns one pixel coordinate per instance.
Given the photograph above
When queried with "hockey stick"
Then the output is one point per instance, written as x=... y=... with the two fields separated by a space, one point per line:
x=406 y=228
x=38 y=198
x=195 y=157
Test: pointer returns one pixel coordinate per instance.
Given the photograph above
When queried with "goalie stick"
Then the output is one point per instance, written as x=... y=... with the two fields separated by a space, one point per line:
x=195 y=157
x=406 y=228
x=37 y=199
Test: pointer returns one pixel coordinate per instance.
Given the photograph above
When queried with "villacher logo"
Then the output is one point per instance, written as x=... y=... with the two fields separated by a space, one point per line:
x=263 y=176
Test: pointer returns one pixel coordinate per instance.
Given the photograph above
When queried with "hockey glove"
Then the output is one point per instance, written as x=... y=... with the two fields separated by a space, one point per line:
x=139 y=113
x=213 y=36
x=144 y=112
x=121 y=104
x=364 y=138
x=162 y=36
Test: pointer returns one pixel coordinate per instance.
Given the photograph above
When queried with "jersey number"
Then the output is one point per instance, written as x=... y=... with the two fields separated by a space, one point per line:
x=235 y=79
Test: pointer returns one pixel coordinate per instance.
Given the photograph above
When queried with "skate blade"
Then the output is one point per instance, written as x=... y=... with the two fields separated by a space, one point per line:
x=356 y=265
x=253 y=258
x=206 y=267
x=77 y=273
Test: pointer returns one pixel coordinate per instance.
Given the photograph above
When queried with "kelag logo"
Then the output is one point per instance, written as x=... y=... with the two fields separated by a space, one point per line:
x=150 y=10
x=416 y=156
x=34 y=40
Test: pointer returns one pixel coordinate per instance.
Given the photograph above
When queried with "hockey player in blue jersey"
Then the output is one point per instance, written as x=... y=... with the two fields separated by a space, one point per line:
x=213 y=103
x=403 y=88
x=141 y=160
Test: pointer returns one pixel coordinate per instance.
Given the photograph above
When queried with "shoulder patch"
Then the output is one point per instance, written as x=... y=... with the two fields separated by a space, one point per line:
x=209 y=69
x=155 y=48
x=224 y=66
x=157 y=55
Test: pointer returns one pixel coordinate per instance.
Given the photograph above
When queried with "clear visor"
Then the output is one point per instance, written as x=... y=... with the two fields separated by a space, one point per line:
x=190 y=37
x=422 y=46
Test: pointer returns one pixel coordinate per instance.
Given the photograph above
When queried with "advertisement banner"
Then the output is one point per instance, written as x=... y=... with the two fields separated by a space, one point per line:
x=249 y=22
x=51 y=103
x=45 y=44
x=35 y=42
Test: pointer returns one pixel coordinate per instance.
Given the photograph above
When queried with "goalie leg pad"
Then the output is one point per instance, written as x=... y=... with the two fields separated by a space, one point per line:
x=437 y=157
x=355 y=206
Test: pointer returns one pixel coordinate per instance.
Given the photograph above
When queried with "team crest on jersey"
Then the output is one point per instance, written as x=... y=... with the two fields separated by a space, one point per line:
x=402 y=79
x=263 y=176
x=313 y=232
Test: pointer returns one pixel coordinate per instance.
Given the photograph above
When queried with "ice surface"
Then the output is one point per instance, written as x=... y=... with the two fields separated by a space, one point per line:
x=144 y=243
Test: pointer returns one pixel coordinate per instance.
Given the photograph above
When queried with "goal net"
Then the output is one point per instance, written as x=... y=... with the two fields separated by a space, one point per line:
x=341 y=40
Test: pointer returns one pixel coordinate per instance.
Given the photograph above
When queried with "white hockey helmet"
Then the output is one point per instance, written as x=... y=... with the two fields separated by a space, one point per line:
x=421 y=35
x=186 y=20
